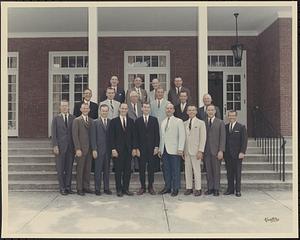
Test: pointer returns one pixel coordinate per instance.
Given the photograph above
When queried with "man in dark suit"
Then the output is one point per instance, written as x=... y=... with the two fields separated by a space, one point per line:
x=101 y=150
x=207 y=100
x=119 y=92
x=81 y=131
x=87 y=95
x=181 y=108
x=147 y=131
x=123 y=146
x=214 y=149
x=236 y=145
x=173 y=95
x=63 y=148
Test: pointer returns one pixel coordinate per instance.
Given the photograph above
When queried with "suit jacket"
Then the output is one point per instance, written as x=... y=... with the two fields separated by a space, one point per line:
x=61 y=135
x=93 y=110
x=182 y=115
x=172 y=138
x=174 y=98
x=119 y=96
x=81 y=132
x=131 y=112
x=151 y=96
x=99 y=137
x=159 y=112
x=120 y=139
x=202 y=115
x=215 y=137
x=147 y=137
x=144 y=96
x=195 y=138
x=236 y=141
x=113 y=109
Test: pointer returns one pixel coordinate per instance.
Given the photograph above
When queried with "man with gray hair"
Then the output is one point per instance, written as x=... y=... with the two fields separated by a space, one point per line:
x=207 y=100
x=155 y=84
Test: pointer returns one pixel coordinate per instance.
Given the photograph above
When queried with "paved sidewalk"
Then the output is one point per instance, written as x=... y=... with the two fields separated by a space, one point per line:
x=50 y=212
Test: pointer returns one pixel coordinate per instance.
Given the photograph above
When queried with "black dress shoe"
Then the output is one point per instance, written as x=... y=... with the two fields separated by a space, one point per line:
x=238 y=194
x=97 y=192
x=208 y=192
x=228 y=192
x=128 y=193
x=81 y=193
x=108 y=192
x=151 y=191
x=216 y=193
x=141 y=191
x=164 y=191
x=63 y=192
x=174 y=193
x=120 y=194
x=197 y=193
x=188 y=192
x=88 y=191
x=69 y=191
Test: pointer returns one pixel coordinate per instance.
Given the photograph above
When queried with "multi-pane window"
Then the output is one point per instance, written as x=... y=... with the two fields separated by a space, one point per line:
x=70 y=62
x=222 y=61
x=12 y=64
x=233 y=89
x=147 y=65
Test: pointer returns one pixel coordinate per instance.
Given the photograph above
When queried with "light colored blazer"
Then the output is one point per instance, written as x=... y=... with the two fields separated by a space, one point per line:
x=113 y=111
x=173 y=137
x=159 y=113
x=195 y=138
x=152 y=96
x=131 y=112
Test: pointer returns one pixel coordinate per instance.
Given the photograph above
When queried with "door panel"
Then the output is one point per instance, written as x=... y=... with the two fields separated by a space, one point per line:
x=215 y=88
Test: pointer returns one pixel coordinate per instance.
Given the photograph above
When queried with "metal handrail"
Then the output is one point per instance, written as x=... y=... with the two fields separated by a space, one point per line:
x=270 y=141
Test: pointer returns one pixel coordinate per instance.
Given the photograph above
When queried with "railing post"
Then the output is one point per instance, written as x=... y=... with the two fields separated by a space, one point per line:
x=280 y=158
x=283 y=160
x=277 y=154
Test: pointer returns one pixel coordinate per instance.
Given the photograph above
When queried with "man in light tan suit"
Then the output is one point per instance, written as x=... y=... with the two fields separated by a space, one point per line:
x=195 y=131
x=81 y=138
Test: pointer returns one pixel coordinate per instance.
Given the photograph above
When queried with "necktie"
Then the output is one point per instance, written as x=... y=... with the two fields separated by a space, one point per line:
x=105 y=123
x=167 y=125
x=182 y=107
x=190 y=125
x=111 y=105
x=158 y=104
x=124 y=125
x=210 y=123
x=146 y=122
x=230 y=129
x=66 y=120
x=138 y=91
x=177 y=90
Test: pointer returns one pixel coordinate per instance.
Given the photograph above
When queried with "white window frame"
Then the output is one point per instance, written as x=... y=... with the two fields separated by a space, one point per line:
x=242 y=70
x=147 y=70
x=15 y=71
x=70 y=71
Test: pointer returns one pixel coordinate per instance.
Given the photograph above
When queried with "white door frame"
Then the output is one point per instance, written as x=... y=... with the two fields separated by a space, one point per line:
x=71 y=72
x=233 y=70
x=15 y=71
x=147 y=70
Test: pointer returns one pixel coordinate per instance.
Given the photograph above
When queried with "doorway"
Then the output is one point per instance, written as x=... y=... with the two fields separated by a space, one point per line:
x=215 y=89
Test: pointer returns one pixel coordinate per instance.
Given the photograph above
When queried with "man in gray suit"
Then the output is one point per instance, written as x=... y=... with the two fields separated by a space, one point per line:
x=152 y=94
x=81 y=130
x=63 y=148
x=111 y=103
x=142 y=93
x=101 y=149
x=207 y=100
x=158 y=106
x=173 y=95
x=214 y=149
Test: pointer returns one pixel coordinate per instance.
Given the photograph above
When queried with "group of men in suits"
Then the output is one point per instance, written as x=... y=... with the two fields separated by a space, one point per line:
x=135 y=134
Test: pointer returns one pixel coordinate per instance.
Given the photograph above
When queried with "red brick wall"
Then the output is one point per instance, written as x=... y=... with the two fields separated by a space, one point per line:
x=33 y=79
x=275 y=96
x=285 y=66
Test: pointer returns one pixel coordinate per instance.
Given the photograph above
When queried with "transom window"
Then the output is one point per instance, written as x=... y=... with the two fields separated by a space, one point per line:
x=222 y=61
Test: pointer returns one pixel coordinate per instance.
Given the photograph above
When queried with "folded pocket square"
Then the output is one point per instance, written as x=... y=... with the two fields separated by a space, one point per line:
x=236 y=131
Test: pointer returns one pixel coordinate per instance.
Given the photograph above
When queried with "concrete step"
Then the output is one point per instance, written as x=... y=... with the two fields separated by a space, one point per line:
x=259 y=150
x=47 y=158
x=49 y=176
x=53 y=185
x=29 y=166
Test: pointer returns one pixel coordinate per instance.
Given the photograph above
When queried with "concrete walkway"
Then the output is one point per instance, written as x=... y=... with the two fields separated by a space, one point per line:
x=256 y=211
